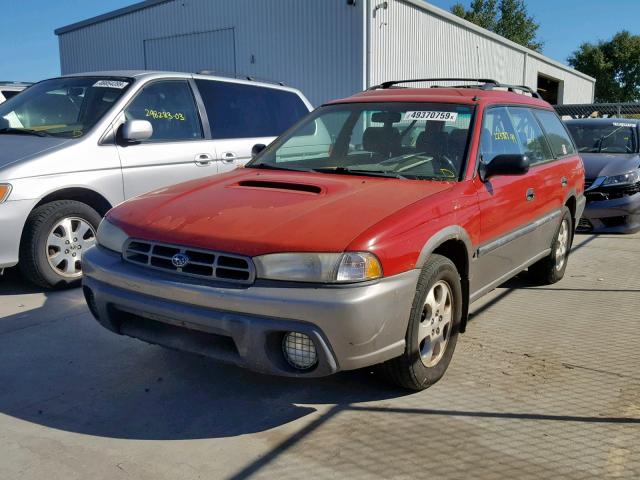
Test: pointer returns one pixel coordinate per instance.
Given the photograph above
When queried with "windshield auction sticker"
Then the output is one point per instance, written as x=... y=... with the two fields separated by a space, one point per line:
x=432 y=116
x=111 y=84
x=620 y=124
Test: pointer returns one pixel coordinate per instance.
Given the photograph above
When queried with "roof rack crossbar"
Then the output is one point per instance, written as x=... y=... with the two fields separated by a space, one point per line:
x=240 y=76
x=485 y=84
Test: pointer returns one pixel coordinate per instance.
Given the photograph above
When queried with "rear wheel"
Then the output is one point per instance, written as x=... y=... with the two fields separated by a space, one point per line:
x=433 y=327
x=551 y=269
x=55 y=237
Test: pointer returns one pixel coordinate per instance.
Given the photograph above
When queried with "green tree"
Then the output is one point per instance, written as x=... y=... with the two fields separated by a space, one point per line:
x=508 y=18
x=615 y=64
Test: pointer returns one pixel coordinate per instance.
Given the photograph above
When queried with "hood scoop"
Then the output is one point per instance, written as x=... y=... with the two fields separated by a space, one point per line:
x=286 y=186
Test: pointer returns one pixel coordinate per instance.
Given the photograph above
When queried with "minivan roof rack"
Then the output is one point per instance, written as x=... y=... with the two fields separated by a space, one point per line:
x=485 y=84
x=240 y=77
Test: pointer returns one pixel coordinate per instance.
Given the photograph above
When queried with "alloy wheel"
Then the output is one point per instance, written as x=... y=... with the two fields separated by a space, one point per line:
x=435 y=323
x=65 y=243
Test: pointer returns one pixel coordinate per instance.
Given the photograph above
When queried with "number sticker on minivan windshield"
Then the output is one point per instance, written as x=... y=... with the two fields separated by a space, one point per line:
x=431 y=115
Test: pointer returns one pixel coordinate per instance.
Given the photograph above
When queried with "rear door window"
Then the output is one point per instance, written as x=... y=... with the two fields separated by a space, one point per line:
x=531 y=137
x=557 y=134
x=237 y=110
x=171 y=109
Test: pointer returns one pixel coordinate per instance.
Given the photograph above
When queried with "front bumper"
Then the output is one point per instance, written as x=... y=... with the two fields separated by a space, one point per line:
x=620 y=215
x=13 y=216
x=352 y=326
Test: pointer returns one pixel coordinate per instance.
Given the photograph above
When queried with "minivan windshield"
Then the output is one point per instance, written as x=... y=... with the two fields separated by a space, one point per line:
x=401 y=140
x=62 y=107
x=616 y=137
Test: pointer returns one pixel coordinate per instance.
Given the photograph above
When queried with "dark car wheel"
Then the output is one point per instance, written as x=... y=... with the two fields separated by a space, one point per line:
x=551 y=269
x=55 y=236
x=433 y=327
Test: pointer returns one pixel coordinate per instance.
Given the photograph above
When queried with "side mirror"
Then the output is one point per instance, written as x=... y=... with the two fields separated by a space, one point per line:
x=508 y=164
x=136 y=131
x=257 y=148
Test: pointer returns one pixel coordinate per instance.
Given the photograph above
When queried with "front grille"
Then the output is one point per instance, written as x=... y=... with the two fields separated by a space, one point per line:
x=190 y=262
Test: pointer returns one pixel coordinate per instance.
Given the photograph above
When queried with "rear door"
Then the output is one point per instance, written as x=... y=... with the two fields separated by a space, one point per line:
x=177 y=151
x=509 y=206
x=241 y=115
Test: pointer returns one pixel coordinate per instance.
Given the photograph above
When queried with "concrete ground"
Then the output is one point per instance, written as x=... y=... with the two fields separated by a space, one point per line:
x=545 y=384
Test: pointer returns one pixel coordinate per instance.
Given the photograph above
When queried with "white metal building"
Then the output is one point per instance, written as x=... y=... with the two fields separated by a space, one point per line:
x=326 y=48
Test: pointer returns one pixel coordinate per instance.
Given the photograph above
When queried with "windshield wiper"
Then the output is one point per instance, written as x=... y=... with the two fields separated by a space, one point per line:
x=23 y=131
x=354 y=171
x=271 y=166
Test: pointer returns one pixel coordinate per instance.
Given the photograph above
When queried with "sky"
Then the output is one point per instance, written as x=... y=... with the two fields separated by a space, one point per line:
x=29 y=48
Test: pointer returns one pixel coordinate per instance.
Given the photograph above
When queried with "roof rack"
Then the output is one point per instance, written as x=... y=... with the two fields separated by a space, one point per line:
x=485 y=84
x=240 y=77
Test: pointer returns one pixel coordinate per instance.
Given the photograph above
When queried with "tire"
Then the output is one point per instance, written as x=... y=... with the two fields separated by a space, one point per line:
x=551 y=269
x=54 y=237
x=423 y=364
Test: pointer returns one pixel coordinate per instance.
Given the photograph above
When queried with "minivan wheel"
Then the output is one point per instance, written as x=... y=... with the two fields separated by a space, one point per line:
x=55 y=236
x=551 y=269
x=433 y=327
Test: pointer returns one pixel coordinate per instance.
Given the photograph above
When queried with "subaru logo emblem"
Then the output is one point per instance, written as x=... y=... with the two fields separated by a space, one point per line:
x=179 y=260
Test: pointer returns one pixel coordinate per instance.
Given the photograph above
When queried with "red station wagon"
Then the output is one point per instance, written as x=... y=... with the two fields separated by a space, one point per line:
x=359 y=237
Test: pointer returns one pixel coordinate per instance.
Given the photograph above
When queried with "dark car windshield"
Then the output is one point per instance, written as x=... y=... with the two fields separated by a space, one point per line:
x=616 y=137
x=62 y=107
x=402 y=140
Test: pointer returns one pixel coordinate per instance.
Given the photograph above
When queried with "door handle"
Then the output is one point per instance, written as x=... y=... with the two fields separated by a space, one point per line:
x=203 y=159
x=564 y=182
x=531 y=194
x=229 y=157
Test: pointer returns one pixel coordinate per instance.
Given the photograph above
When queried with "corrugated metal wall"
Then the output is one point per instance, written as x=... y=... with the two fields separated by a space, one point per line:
x=313 y=45
x=409 y=42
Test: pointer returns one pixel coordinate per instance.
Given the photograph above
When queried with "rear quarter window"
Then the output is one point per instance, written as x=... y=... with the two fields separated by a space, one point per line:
x=556 y=133
x=245 y=111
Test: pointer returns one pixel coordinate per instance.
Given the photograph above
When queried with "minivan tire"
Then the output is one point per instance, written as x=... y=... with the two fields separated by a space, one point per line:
x=548 y=270
x=34 y=249
x=410 y=370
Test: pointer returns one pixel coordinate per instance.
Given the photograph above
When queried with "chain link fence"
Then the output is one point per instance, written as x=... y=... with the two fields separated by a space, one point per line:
x=599 y=110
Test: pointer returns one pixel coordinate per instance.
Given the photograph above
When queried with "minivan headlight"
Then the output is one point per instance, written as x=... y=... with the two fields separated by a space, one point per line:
x=628 y=178
x=319 y=267
x=111 y=237
x=5 y=190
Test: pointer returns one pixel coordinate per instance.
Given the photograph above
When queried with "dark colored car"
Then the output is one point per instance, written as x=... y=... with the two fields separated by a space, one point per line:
x=358 y=237
x=610 y=151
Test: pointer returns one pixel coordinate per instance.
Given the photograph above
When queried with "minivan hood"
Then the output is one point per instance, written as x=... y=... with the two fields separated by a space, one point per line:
x=14 y=148
x=608 y=164
x=253 y=212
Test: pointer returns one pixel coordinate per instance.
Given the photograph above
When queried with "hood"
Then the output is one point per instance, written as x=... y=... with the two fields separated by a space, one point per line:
x=14 y=148
x=608 y=164
x=253 y=212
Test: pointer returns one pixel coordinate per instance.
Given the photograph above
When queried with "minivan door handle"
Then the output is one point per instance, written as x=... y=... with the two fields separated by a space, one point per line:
x=229 y=157
x=531 y=194
x=203 y=159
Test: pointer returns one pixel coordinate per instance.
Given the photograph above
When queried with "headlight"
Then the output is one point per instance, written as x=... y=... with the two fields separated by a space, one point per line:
x=628 y=178
x=111 y=237
x=319 y=267
x=5 y=190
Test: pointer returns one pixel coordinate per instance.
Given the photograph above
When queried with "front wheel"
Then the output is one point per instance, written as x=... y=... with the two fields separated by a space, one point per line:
x=54 y=239
x=551 y=269
x=433 y=327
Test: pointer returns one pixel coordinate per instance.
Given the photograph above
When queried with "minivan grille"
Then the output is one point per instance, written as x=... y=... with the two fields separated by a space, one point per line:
x=191 y=262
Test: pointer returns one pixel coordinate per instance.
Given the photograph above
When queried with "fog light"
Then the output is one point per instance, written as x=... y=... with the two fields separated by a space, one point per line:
x=299 y=350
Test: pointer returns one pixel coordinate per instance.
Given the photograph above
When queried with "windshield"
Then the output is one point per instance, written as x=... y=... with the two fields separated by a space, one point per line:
x=402 y=140
x=61 y=107
x=617 y=137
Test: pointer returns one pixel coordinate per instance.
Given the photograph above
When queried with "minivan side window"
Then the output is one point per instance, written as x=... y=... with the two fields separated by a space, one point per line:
x=498 y=136
x=171 y=109
x=559 y=139
x=237 y=110
x=531 y=137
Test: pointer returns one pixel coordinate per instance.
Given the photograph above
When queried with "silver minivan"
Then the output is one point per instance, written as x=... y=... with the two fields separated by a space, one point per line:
x=73 y=147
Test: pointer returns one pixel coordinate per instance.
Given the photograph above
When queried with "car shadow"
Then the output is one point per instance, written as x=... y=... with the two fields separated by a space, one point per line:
x=60 y=369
